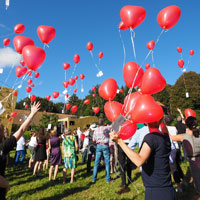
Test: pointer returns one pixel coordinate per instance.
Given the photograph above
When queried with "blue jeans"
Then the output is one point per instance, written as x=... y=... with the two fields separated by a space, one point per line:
x=84 y=156
x=18 y=153
x=106 y=154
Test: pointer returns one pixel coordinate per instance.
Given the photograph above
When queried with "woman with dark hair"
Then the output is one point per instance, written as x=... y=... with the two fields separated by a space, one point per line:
x=55 y=154
x=40 y=154
x=154 y=159
x=191 y=142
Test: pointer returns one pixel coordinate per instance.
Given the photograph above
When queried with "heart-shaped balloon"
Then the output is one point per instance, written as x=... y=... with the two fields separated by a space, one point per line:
x=147 y=66
x=76 y=78
x=32 y=85
x=74 y=109
x=55 y=95
x=189 y=113
x=29 y=82
x=10 y=119
x=132 y=74
x=130 y=102
x=75 y=90
x=94 y=89
x=112 y=110
x=29 y=72
x=76 y=58
x=48 y=97
x=20 y=42
x=13 y=114
x=121 y=91
x=151 y=45
x=100 y=54
x=26 y=106
x=68 y=106
x=22 y=63
x=46 y=33
x=33 y=56
x=87 y=101
x=181 y=63
x=20 y=71
x=89 y=46
x=36 y=75
x=191 y=52
x=168 y=17
x=32 y=98
x=122 y=26
x=6 y=41
x=71 y=81
x=19 y=28
x=15 y=93
x=152 y=81
x=127 y=130
x=66 y=65
x=66 y=84
x=132 y=16
x=96 y=109
x=146 y=110
x=67 y=95
x=93 y=95
x=108 y=89
x=179 y=49
x=82 y=76
x=28 y=89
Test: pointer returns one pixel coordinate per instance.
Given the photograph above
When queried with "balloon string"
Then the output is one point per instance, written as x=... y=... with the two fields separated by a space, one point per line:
x=181 y=55
x=188 y=62
x=152 y=59
x=124 y=60
x=94 y=61
x=8 y=75
x=146 y=57
x=65 y=75
x=74 y=70
x=133 y=45
x=184 y=83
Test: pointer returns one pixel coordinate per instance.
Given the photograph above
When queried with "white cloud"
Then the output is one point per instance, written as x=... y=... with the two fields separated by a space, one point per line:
x=9 y=57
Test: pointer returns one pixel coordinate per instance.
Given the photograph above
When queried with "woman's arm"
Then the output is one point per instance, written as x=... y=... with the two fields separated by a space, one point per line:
x=63 y=149
x=137 y=159
x=181 y=114
x=176 y=138
x=34 y=109
x=76 y=145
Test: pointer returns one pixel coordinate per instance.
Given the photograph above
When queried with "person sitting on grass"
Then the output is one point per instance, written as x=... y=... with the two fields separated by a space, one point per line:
x=69 y=149
x=7 y=145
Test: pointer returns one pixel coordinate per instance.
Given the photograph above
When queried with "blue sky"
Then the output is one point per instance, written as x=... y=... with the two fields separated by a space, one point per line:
x=79 y=21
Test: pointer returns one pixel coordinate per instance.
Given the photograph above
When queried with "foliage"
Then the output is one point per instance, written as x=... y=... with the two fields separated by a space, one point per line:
x=49 y=119
x=27 y=135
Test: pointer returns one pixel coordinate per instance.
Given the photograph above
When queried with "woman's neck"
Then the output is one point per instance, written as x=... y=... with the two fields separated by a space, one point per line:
x=189 y=132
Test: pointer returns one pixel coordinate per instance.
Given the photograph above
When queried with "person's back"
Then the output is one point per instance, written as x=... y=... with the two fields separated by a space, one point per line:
x=21 y=144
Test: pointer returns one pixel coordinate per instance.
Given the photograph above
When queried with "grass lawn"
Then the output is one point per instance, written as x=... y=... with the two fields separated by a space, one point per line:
x=26 y=187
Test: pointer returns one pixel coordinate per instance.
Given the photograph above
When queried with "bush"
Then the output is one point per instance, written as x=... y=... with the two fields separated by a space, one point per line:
x=27 y=135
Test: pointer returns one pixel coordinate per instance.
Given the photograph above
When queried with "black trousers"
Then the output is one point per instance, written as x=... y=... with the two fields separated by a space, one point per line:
x=125 y=166
x=91 y=151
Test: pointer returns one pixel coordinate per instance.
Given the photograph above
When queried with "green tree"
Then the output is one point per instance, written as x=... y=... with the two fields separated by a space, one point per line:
x=48 y=119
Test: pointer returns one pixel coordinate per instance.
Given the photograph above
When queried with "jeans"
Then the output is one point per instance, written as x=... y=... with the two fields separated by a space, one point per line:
x=106 y=154
x=84 y=156
x=18 y=154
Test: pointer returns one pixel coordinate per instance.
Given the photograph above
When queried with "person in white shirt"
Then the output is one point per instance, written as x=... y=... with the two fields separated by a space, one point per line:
x=85 y=145
x=20 y=151
x=79 y=132
x=32 y=146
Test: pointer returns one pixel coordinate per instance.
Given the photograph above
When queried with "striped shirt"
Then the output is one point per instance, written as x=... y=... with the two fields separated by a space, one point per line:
x=101 y=135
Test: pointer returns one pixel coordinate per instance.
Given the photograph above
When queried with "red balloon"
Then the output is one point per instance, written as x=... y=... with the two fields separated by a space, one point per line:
x=48 y=97
x=68 y=106
x=15 y=93
x=122 y=26
x=191 y=52
x=76 y=58
x=82 y=137
x=10 y=119
x=71 y=81
x=108 y=89
x=29 y=72
x=67 y=95
x=151 y=45
x=29 y=82
x=89 y=46
x=55 y=95
x=121 y=91
x=74 y=109
x=87 y=101
x=26 y=106
x=147 y=66
x=181 y=63
x=6 y=41
x=127 y=130
x=32 y=98
x=22 y=63
x=130 y=102
x=146 y=110
x=19 y=28
x=100 y=54
x=37 y=74
x=82 y=76
x=132 y=72
x=13 y=114
x=132 y=16
x=66 y=65
x=46 y=33
x=33 y=56
x=168 y=17
x=65 y=84
x=75 y=90
x=94 y=89
x=112 y=110
x=28 y=89
x=20 y=42
x=189 y=113
x=20 y=71
x=152 y=81
x=96 y=109
x=94 y=95
x=179 y=49
x=32 y=85
x=76 y=78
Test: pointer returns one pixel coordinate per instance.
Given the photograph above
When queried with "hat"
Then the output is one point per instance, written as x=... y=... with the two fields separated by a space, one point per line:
x=93 y=126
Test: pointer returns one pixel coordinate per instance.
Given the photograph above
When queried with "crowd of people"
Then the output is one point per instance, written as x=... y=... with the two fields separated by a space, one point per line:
x=159 y=154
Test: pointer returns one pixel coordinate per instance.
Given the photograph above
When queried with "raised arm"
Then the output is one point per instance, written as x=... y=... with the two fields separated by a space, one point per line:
x=34 y=109
x=181 y=114
x=137 y=159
